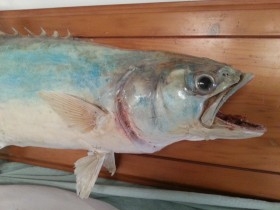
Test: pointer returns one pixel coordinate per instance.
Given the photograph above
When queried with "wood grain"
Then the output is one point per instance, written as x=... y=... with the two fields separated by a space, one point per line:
x=243 y=34
x=168 y=173
x=173 y=19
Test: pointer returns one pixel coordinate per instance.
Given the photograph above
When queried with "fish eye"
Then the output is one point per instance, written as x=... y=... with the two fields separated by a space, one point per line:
x=205 y=84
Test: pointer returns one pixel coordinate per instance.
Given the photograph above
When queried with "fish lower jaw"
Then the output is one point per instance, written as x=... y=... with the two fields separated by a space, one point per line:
x=236 y=127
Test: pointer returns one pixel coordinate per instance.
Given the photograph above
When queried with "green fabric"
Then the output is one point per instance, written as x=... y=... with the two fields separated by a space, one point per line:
x=127 y=196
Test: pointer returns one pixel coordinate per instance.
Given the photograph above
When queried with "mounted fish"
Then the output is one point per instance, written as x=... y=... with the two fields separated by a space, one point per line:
x=72 y=94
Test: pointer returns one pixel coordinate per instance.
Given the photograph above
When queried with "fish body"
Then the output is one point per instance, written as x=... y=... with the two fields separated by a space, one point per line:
x=63 y=68
x=72 y=94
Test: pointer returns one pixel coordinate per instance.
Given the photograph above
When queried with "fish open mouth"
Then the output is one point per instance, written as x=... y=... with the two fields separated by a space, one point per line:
x=214 y=119
x=239 y=121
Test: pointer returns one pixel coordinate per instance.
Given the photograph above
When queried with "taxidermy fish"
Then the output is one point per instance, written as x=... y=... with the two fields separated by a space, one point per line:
x=73 y=94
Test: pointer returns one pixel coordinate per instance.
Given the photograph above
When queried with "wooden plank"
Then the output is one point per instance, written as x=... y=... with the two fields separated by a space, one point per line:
x=172 y=173
x=51 y=158
x=209 y=177
x=172 y=19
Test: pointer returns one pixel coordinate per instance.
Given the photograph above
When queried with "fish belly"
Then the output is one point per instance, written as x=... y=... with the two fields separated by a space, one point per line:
x=38 y=125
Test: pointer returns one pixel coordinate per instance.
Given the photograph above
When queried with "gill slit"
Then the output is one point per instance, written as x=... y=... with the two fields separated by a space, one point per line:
x=122 y=115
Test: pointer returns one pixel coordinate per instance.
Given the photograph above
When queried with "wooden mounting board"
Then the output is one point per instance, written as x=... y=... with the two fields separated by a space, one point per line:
x=245 y=35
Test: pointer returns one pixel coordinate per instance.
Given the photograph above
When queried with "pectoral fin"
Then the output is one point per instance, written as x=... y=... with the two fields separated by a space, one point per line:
x=86 y=171
x=109 y=163
x=75 y=111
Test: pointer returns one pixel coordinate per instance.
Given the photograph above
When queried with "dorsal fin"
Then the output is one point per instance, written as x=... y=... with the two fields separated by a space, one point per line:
x=3 y=34
x=43 y=33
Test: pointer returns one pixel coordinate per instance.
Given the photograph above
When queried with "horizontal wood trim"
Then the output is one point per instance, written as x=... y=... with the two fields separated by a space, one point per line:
x=51 y=158
x=165 y=7
x=172 y=173
x=151 y=20
x=206 y=177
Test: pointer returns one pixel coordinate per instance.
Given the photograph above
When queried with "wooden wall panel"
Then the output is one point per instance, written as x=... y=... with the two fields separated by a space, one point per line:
x=243 y=34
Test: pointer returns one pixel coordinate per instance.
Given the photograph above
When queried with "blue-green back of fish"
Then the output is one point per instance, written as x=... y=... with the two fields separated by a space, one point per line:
x=30 y=65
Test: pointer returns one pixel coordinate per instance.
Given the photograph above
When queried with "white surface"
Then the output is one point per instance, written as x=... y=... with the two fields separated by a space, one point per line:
x=33 y=4
x=31 y=197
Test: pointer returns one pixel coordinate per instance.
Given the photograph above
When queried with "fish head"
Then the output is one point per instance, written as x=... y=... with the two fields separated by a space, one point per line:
x=180 y=100
x=192 y=94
